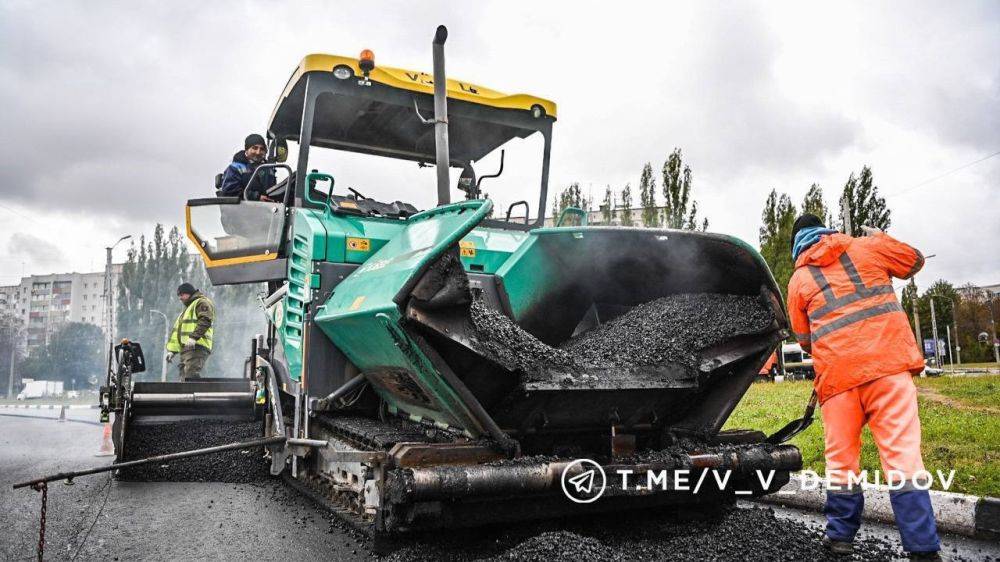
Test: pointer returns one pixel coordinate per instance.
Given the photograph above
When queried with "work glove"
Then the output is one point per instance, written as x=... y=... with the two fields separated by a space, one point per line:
x=170 y=357
x=869 y=230
x=189 y=344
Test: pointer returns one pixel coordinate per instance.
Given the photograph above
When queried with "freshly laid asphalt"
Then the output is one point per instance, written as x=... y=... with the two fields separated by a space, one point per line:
x=101 y=519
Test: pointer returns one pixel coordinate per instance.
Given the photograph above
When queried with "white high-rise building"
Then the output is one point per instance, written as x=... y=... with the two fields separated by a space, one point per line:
x=44 y=302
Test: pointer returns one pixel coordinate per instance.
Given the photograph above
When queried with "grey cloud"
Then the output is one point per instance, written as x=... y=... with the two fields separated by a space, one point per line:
x=35 y=250
x=938 y=69
x=120 y=112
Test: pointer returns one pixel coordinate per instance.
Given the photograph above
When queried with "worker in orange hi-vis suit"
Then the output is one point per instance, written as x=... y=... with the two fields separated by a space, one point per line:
x=844 y=312
x=765 y=370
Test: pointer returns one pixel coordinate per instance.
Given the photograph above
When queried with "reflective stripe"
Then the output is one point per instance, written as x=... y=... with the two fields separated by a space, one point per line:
x=917 y=265
x=852 y=272
x=855 y=317
x=184 y=326
x=848 y=299
x=860 y=290
x=802 y=337
x=824 y=285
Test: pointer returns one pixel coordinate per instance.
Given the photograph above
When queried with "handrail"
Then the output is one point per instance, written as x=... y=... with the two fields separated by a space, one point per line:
x=246 y=190
x=572 y=211
x=319 y=176
x=527 y=210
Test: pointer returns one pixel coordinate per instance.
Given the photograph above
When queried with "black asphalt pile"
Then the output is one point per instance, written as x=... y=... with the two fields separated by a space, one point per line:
x=672 y=328
x=151 y=439
x=508 y=345
x=559 y=546
x=669 y=331
x=746 y=534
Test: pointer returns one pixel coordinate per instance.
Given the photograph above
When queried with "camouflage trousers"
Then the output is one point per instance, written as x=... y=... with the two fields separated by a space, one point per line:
x=192 y=362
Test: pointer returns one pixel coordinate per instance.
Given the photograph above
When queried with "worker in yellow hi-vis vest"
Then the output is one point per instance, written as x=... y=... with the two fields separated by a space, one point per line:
x=192 y=333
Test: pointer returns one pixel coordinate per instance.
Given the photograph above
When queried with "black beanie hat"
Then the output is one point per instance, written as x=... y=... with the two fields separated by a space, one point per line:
x=253 y=140
x=186 y=289
x=805 y=221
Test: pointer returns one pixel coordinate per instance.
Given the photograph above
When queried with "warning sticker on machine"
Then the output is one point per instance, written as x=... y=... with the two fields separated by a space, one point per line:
x=359 y=244
x=467 y=249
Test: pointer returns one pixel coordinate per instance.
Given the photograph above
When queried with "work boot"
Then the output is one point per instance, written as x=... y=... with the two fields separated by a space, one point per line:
x=926 y=556
x=840 y=548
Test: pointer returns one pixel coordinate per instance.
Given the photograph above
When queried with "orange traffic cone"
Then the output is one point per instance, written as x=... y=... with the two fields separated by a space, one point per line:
x=107 y=448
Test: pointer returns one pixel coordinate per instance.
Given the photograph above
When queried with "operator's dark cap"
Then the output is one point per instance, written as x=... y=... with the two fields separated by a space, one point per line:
x=186 y=289
x=253 y=140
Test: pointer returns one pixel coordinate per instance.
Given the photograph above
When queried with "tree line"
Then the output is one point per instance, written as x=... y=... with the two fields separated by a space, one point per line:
x=860 y=205
x=148 y=282
x=670 y=206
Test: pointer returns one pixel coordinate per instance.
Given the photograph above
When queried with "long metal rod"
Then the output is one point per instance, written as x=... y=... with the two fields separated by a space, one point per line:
x=160 y=458
x=441 y=117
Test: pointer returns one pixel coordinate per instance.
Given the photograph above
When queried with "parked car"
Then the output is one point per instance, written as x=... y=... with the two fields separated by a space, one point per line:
x=930 y=370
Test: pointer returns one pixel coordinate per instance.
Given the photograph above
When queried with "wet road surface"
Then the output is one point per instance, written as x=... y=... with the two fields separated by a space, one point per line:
x=100 y=519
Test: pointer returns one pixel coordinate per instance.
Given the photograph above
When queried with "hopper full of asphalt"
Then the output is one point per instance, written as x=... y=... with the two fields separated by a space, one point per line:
x=160 y=438
x=671 y=330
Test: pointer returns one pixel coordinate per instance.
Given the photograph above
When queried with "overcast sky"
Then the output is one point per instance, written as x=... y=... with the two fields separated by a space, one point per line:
x=113 y=114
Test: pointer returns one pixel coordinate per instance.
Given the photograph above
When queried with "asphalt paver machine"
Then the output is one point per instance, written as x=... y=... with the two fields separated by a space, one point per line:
x=408 y=355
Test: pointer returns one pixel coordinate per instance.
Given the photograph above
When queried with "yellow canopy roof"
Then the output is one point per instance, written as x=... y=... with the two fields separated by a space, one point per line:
x=417 y=82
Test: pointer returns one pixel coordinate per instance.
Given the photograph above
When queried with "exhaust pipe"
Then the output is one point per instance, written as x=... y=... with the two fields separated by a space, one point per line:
x=441 y=117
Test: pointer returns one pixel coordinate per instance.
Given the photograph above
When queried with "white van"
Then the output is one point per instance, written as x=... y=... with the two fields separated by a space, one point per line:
x=798 y=363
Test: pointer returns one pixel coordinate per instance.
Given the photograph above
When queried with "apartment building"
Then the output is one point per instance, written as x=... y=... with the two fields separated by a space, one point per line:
x=44 y=302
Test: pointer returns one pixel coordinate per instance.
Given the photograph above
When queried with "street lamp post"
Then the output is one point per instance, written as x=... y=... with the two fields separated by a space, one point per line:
x=166 y=329
x=954 y=320
x=108 y=320
x=919 y=336
x=13 y=356
x=934 y=334
x=996 y=345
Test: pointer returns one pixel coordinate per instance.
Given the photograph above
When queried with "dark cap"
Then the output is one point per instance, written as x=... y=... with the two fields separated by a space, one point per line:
x=253 y=140
x=186 y=289
x=805 y=221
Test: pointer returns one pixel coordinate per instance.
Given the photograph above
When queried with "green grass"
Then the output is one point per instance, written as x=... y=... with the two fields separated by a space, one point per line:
x=973 y=392
x=963 y=435
x=968 y=366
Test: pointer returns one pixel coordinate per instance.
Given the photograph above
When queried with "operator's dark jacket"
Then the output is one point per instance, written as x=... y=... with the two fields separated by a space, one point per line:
x=238 y=174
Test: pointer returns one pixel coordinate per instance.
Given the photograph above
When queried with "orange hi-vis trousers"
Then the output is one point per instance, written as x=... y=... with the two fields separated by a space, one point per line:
x=889 y=406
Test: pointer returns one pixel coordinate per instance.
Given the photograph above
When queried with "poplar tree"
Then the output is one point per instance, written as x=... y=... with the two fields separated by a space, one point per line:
x=608 y=211
x=679 y=211
x=813 y=203
x=626 y=209
x=647 y=197
x=777 y=220
x=867 y=208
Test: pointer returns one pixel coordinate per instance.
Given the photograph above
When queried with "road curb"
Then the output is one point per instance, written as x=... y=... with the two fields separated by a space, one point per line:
x=963 y=514
x=50 y=406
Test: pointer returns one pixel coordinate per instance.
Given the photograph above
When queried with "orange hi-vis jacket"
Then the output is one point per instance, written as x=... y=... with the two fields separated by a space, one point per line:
x=845 y=313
